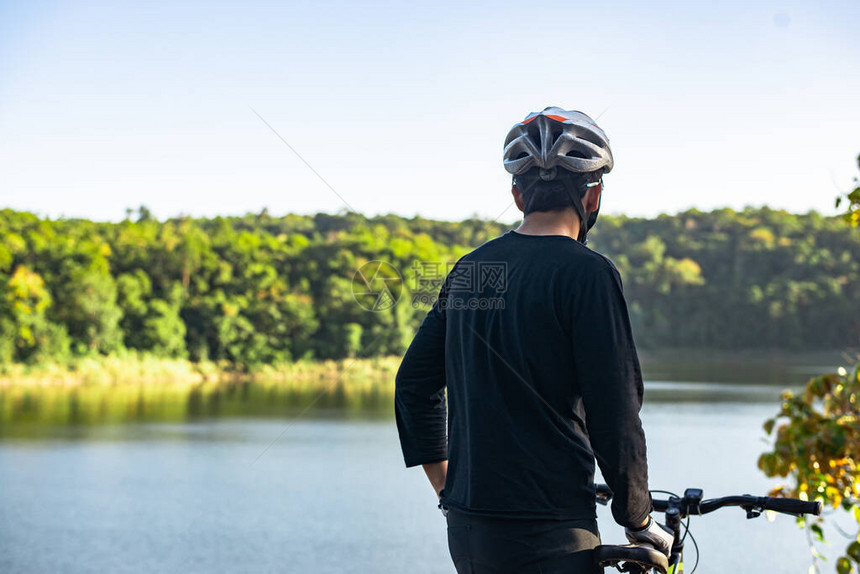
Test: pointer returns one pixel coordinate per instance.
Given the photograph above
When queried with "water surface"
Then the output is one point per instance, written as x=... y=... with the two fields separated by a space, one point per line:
x=246 y=478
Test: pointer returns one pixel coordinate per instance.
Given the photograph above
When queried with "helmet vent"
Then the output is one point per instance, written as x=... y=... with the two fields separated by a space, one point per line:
x=566 y=139
x=534 y=135
x=591 y=138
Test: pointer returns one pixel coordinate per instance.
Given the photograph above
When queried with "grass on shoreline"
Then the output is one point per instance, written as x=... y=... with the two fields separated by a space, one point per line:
x=131 y=368
x=136 y=369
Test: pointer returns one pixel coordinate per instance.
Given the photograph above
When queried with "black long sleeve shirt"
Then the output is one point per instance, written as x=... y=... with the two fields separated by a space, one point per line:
x=532 y=339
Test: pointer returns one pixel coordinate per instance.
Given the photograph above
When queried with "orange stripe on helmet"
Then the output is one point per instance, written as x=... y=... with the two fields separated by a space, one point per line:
x=550 y=116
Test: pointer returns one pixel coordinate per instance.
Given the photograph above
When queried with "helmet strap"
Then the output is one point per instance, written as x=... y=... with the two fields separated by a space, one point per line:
x=573 y=193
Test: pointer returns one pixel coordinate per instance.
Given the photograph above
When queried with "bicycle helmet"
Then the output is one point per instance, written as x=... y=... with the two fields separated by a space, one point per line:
x=557 y=138
x=544 y=142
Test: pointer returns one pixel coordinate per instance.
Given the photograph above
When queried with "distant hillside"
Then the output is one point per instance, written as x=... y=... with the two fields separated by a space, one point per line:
x=261 y=289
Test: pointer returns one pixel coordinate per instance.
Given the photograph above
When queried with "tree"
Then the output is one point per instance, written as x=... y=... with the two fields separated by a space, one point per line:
x=817 y=439
x=163 y=331
x=91 y=313
x=817 y=444
x=28 y=335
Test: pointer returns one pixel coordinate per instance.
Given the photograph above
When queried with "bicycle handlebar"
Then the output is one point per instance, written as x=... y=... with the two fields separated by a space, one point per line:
x=752 y=504
x=793 y=506
x=783 y=505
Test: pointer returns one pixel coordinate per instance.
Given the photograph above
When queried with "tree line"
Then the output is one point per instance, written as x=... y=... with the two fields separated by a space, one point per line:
x=259 y=289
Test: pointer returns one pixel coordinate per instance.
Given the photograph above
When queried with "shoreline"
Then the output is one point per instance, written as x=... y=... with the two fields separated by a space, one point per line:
x=133 y=369
x=141 y=369
x=682 y=355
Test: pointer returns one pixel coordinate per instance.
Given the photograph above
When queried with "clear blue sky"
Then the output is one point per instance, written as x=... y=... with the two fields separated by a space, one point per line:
x=403 y=106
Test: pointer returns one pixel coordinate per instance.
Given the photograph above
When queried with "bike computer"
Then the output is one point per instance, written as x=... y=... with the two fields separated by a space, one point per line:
x=693 y=497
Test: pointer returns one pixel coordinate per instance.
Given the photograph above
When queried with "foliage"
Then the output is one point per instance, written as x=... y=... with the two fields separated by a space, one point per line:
x=817 y=443
x=852 y=214
x=257 y=289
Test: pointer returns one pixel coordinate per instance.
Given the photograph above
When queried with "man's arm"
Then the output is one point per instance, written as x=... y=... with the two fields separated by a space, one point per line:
x=610 y=380
x=419 y=398
x=436 y=473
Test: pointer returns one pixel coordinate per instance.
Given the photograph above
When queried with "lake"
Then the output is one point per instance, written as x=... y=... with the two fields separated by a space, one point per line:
x=240 y=478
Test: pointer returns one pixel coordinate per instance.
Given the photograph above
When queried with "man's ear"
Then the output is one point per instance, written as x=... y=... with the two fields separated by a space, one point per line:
x=518 y=198
x=592 y=198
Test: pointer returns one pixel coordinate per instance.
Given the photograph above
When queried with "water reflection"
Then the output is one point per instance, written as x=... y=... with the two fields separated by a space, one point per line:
x=24 y=410
x=33 y=411
x=689 y=392
x=740 y=371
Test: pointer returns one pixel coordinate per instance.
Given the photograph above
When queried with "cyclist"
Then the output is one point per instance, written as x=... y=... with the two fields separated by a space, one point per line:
x=540 y=382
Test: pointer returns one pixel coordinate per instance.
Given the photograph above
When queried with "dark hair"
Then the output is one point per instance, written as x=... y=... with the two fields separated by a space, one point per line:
x=540 y=195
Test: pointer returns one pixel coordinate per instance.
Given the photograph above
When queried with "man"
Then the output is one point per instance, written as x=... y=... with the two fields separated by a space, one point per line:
x=539 y=383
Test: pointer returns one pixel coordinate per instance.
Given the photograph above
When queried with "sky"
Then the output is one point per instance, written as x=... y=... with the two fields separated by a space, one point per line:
x=208 y=108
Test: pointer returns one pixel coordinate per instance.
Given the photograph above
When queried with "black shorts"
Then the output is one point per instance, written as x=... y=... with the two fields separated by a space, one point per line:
x=481 y=545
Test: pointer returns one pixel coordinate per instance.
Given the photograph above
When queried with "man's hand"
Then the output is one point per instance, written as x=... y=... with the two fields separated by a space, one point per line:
x=657 y=535
x=436 y=473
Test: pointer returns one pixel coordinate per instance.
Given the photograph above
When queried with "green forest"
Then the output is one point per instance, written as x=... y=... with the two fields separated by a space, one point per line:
x=260 y=289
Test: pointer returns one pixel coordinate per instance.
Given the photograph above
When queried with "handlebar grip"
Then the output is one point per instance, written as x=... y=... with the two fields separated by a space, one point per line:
x=792 y=505
x=603 y=490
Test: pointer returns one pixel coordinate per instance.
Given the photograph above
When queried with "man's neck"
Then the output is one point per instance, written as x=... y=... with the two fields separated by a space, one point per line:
x=565 y=222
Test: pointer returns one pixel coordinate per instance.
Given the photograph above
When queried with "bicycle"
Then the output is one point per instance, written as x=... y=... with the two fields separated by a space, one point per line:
x=641 y=559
